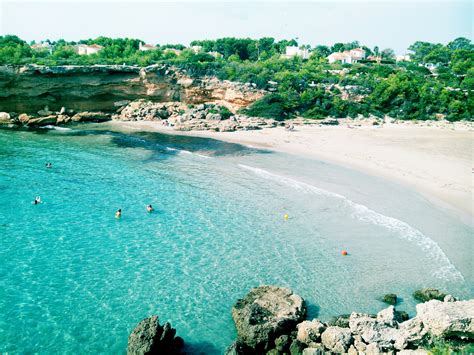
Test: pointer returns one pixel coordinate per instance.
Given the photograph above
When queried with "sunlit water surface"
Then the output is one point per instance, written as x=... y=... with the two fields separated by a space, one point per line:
x=75 y=279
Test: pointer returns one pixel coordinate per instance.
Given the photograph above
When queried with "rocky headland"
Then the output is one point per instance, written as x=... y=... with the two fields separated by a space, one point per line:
x=27 y=89
x=272 y=320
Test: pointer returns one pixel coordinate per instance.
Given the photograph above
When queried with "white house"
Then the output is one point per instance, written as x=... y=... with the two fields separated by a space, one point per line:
x=294 y=51
x=403 y=58
x=85 y=49
x=343 y=57
x=215 y=54
x=357 y=53
x=42 y=46
x=146 y=47
x=196 y=49
x=347 y=57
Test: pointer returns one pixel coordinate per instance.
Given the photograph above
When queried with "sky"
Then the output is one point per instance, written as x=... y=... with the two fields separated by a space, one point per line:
x=388 y=24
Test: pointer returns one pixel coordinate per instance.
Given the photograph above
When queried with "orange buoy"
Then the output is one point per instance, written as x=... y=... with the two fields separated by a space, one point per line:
x=344 y=252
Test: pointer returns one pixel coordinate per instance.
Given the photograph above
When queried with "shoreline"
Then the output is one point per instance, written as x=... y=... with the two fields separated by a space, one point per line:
x=435 y=161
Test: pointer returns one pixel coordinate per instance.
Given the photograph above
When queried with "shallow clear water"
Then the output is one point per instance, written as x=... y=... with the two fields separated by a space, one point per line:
x=72 y=277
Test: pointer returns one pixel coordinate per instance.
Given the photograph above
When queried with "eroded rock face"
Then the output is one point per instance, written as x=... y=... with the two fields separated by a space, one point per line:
x=310 y=331
x=266 y=313
x=98 y=87
x=149 y=337
x=337 y=339
x=447 y=319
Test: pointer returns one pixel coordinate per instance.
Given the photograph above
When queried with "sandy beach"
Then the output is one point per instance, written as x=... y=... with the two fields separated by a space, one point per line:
x=435 y=161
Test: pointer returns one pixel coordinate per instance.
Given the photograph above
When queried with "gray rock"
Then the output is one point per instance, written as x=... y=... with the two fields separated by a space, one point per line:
x=387 y=316
x=90 y=117
x=449 y=298
x=4 y=117
x=340 y=321
x=428 y=294
x=265 y=313
x=336 y=339
x=42 y=121
x=447 y=319
x=314 y=351
x=390 y=298
x=412 y=333
x=310 y=331
x=372 y=349
x=213 y=117
x=149 y=337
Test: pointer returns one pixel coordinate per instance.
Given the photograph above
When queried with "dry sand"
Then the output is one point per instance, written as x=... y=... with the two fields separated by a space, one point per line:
x=435 y=161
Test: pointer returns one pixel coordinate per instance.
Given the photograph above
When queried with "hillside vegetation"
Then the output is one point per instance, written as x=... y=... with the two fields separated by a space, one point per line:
x=438 y=82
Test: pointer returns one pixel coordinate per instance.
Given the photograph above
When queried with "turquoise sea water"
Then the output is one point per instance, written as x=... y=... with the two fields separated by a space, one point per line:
x=75 y=279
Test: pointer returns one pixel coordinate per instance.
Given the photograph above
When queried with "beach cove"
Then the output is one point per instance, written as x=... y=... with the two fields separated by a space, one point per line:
x=76 y=276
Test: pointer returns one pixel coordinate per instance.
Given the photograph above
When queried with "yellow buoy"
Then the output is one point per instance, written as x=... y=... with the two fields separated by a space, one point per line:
x=286 y=216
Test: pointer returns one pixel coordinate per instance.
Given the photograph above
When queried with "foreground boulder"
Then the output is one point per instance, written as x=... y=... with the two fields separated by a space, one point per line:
x=149 y=337
x=337 y=339
x=266 y=313
x=448 y=319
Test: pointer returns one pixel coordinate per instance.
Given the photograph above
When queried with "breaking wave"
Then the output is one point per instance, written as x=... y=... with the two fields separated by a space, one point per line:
x=361 y=212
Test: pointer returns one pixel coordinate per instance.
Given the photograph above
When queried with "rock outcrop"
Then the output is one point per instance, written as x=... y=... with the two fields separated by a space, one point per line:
x=266 y=313
x=259 y=330
x=428 y=294
x=447 y=319
x=182 y=117
x=149 y=337
x=98 y=87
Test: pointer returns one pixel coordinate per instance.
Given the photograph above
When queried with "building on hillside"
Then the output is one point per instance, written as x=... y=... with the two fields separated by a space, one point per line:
x=196 y=49
x=42 y=46
x=86 y=49
x=215 y=54
x=347 y=57
x=403 y=58
x=374 y=58
x=342 y=57
x=146 y=47
x=294 y=51
x=357 y=54
x=172 y=50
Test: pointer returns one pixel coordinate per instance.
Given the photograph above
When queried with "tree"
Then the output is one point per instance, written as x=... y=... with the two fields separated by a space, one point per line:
x=388 y=54
x=460 y=43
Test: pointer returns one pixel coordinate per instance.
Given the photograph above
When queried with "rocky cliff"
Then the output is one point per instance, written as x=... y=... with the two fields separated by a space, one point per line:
x=30 y=88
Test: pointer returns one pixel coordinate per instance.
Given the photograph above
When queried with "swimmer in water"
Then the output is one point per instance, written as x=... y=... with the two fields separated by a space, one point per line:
x=149 y=208
x=49 y=165
x=118 y=214
x=37 y=200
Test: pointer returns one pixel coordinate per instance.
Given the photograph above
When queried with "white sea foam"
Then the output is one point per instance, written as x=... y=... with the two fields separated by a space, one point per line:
x=187 y=152
x=446 y=270
x=57 y=128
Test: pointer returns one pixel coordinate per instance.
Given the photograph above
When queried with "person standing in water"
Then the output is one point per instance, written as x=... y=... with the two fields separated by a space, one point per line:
x=118 y=214
x=149 y=208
